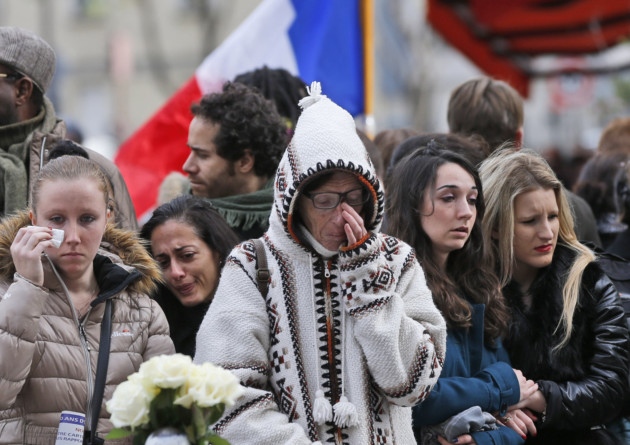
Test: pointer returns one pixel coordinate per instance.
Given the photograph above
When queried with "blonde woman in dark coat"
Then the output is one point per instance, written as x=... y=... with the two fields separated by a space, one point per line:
x=568 y=330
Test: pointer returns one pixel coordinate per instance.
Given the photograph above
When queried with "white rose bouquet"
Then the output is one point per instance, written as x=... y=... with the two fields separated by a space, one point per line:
x=171 y=391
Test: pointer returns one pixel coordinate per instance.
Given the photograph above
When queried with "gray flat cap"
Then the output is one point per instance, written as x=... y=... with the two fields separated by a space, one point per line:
x=28 y=54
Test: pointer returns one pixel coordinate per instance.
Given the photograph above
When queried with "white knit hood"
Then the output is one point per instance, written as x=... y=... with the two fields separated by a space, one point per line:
x=325 y=139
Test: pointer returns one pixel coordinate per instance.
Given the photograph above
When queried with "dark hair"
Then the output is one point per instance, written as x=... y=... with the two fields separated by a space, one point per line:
x=201 y=215
x=473 y=148
x=67 y=147
x=469 y=269
x=388 y=140
x=247 y=121
x=487 y=107
x=280 y=86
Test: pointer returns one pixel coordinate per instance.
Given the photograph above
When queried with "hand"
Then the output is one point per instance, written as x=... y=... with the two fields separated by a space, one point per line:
x=26 y=252
x=537 y=402
x=521 y=421
x=354 y=228
x=527 y=389
x=463 y=439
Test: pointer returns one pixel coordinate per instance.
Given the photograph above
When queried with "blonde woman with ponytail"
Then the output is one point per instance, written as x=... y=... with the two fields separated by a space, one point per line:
x=568 y=327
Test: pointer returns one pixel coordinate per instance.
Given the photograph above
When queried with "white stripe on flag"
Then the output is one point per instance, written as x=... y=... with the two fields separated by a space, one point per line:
x=262 y=39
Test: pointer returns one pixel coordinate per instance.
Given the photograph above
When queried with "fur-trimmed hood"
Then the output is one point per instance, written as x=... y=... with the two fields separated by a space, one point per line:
x=121 y=247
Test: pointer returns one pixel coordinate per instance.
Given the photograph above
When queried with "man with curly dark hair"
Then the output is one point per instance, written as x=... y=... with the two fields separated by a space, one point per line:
x=236 y=139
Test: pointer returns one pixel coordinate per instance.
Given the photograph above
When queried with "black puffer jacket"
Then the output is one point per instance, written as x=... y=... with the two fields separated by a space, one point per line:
x=585 y=383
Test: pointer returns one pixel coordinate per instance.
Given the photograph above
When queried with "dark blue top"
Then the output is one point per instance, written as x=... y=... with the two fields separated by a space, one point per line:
x=473 y=375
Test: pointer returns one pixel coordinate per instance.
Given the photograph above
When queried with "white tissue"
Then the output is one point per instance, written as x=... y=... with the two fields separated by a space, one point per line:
x=57 y=237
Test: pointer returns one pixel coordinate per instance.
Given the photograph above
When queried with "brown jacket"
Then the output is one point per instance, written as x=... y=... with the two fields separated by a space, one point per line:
x=48 y=358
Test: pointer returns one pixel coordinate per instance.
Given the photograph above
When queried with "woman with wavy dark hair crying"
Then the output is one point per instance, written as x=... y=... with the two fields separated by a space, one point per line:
x=189 y=240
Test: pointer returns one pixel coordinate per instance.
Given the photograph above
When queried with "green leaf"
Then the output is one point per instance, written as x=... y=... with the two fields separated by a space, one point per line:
x=190 y=433
x=216 y=440
x=118 y=433
x=212 y=438
x=162 y=412
x=198 y=421
x=214 y=413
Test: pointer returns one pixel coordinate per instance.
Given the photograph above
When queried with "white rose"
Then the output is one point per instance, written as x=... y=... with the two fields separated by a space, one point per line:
x=149 y=388
x=166 y=371
x=129 y=405
x=209 y=385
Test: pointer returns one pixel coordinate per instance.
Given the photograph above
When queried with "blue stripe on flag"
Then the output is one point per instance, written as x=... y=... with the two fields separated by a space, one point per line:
x=328 y=46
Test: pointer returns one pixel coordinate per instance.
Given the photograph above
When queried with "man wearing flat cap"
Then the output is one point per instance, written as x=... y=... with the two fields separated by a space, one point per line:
x=29 y=127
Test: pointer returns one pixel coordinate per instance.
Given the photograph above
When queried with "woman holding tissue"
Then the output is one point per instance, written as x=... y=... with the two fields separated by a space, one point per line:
x=75 y=320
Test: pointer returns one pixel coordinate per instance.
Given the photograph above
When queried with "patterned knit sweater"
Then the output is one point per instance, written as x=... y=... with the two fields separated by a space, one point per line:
x=357 y=326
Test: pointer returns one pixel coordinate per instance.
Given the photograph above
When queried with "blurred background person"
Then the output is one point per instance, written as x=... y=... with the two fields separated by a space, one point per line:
x=489 y=108
x=373 y=152
x=190 y=240
x=29 y=126
x=615 y=137
x=387 y=140
x=603 y=184
x=494 y=110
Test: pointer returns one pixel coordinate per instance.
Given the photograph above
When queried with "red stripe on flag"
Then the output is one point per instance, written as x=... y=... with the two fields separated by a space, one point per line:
x=157 y=148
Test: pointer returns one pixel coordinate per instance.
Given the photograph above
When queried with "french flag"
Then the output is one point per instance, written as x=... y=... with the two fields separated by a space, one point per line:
x=319 y=40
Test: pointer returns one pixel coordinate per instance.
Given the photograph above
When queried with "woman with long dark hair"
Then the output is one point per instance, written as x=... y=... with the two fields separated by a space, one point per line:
x=436 y=205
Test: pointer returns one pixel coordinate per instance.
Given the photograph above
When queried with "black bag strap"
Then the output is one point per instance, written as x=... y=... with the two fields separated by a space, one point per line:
x=262 y=271
x=101 y=373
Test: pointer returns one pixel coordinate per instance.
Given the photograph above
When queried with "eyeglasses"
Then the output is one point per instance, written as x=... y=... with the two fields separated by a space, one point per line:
x=330 y=200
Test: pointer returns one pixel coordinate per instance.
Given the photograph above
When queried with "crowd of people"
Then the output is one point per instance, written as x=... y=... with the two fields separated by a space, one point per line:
x=411 y=288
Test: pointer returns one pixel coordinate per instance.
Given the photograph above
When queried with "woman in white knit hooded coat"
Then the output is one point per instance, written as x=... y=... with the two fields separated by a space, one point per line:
x=346 y=341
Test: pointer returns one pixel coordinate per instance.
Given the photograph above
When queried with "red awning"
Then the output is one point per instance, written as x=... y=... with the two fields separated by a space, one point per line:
x=503 y=37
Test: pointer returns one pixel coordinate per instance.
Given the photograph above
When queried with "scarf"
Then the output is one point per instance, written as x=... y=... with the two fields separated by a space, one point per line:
x=243 y=212
x=15 y=140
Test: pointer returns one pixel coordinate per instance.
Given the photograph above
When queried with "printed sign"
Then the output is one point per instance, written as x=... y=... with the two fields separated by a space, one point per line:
x=71 y=427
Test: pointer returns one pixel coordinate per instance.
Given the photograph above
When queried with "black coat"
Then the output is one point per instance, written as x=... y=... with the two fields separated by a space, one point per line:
x=585 y=383
x=621 y=245
x=183 y=322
